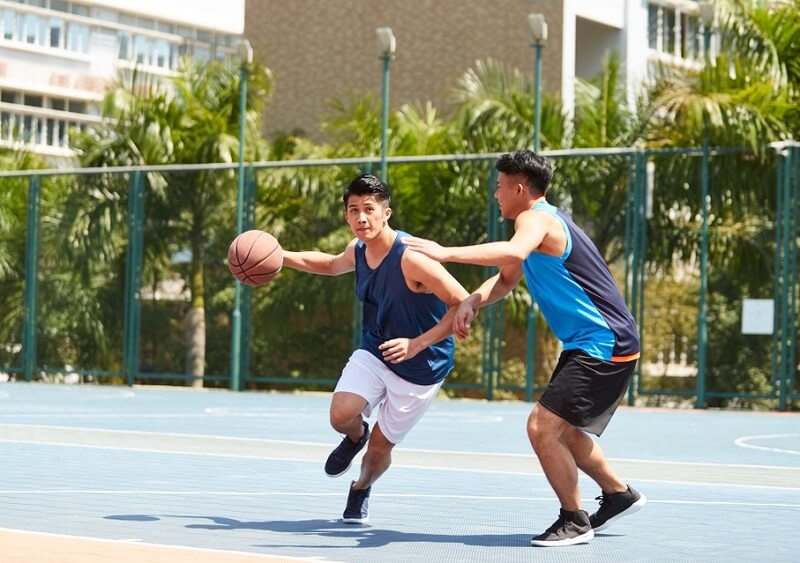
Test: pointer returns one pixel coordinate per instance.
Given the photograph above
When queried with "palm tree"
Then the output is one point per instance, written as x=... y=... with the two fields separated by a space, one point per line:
x=494 y=105
x=208 y=95
x=595 y=188
x=744 y=97
x=738 y=99
x=193 y=120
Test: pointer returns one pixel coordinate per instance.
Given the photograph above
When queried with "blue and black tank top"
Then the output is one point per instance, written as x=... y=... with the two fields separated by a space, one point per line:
x=579 y=297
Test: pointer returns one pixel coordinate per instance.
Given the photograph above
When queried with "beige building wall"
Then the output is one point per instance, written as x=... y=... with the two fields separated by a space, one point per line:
x=324 y=49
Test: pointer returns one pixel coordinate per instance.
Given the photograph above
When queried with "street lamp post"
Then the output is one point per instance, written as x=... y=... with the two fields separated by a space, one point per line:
x=538 y=30
x=387 y=45
x=537 y=27
x=246 y=57
x=707 y=16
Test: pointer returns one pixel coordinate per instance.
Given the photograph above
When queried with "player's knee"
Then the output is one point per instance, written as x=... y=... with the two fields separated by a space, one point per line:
x=342 y=419
x=536 y=428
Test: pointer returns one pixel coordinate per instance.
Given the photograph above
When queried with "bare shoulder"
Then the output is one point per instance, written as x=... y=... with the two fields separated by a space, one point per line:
x=413 y=260
x=419 y=269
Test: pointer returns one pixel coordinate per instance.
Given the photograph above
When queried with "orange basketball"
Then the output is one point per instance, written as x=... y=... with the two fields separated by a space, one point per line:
x=255 y=257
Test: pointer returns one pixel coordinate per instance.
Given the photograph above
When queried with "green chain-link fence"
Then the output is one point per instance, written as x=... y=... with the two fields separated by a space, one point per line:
x=118 y=275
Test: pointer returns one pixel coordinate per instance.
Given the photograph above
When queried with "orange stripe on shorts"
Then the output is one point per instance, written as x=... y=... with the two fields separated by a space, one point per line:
x=630 y=358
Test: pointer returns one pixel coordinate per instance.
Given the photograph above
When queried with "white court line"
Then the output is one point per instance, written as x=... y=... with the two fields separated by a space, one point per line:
x=221 y=412
x=638 y=479
x=326 y=444
x=707 y=464
x=267 y=412
x=164 y=451
x=216 y=437
x=743 y=442
x=405 y=466
x=433 y=496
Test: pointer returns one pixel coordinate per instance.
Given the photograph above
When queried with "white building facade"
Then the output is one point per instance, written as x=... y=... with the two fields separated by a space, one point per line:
x=644 y=33
x=57 y=57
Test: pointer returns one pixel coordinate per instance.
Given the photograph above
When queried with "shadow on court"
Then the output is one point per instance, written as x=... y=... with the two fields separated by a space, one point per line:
x=363 y=536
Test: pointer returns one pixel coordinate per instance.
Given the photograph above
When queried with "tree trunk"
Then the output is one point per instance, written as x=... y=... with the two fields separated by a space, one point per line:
x=196 y=345
x=196 y=316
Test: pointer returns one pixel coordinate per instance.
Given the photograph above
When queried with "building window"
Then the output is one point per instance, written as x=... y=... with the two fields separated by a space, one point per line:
x=162 y=55
x=124 y=45
x=140 y=50
x=59 y=6
x=29 y=24
x=34 y=100
x=673 y=32
x=79 y=10
x=691 y=47
x=8 y=23
x=56 y=33
x=78 y=37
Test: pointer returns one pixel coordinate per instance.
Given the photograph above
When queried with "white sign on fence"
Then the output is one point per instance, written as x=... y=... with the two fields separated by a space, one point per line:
x=757 y=316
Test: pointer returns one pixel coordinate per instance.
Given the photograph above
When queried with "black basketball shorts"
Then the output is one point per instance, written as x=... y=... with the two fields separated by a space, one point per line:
x=585 y=391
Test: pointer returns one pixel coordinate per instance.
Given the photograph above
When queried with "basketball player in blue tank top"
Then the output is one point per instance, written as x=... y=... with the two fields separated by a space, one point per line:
x=407 y=348
x=578 y=297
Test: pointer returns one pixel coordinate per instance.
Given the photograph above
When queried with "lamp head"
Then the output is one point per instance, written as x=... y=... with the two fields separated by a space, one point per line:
x=387 y=44
x=245 y=51
x=537 y=27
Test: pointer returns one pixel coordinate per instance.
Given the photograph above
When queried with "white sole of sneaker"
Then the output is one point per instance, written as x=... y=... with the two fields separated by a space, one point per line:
x=633 y=508
x=346 y=469
x=583 y=538
x=355 y=520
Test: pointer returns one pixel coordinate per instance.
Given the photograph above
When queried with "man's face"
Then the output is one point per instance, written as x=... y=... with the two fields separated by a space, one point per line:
x=366 y=216
x=510 y=194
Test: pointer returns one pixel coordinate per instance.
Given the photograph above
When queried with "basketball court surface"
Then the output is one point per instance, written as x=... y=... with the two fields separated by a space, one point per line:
x=91 y=474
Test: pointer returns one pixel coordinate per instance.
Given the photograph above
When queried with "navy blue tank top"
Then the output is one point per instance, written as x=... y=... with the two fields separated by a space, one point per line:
x=392 y=310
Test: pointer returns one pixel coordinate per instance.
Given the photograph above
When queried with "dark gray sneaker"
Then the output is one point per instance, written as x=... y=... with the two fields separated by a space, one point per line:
x=571 y=528
x=357 y=510
x=614 y=506
x=340 y=459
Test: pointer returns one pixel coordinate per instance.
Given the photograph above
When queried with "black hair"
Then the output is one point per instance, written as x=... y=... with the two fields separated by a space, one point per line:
x=367 y=184
x=536 y=169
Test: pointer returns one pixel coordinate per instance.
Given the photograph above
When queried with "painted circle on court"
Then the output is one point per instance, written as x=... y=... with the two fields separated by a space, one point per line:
x=762 y=442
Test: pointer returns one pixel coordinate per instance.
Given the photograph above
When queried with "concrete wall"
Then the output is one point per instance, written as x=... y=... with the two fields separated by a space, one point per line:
x=323 y=49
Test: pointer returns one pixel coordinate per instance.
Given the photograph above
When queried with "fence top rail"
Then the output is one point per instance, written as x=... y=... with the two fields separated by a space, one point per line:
x=489 y=157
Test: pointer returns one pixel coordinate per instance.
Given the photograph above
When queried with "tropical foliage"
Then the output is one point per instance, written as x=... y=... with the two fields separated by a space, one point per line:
x=736 y=101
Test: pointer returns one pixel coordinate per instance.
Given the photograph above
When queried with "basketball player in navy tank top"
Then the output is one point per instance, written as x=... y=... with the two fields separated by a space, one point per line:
x=578 y=297
x=407 y=348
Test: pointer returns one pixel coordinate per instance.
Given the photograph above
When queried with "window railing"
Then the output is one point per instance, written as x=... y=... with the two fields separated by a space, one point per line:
x=42 y=130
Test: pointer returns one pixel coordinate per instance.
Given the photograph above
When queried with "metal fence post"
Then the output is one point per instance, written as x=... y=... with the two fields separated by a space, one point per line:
x=248 y=222
x=636 y=240
x=493 y=318
x=702 y=314
x=785 y=327
x=794 y=230
x=31 y=279
x=133 y=271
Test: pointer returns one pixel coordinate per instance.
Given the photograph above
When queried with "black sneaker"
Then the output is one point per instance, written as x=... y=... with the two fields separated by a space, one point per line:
x=616 y=505
x=569 y=529
x=357 y=509
x=340 y=459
